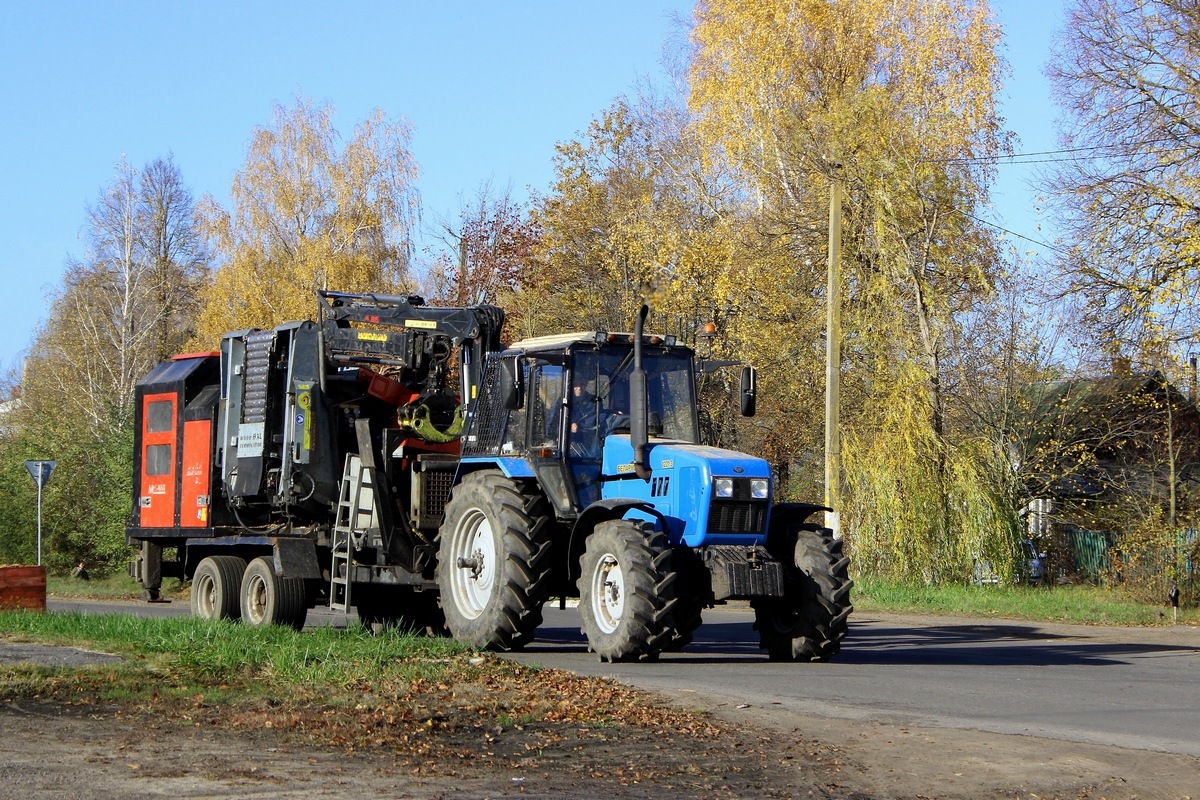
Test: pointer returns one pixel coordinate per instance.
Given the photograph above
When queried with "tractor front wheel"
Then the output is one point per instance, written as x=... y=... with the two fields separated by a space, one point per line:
x=810 y=621
x=626 y=594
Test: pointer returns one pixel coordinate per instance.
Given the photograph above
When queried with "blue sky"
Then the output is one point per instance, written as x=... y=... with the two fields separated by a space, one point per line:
x=489 y=87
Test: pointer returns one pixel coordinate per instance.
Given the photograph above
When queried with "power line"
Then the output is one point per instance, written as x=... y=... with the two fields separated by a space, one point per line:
x=1051 y=156
x=1002 y=229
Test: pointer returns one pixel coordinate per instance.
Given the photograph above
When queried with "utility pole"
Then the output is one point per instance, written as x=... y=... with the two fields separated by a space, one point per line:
x=833 y=363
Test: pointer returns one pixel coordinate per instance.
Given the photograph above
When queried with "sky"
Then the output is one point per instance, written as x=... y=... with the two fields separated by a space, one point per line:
x=488 y=87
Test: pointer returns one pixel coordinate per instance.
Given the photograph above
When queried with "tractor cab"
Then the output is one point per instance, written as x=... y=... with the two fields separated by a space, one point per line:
x=569 y=395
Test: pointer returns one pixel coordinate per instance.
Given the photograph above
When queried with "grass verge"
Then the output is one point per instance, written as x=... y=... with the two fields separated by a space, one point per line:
x=347 y=687
x=1083 y=605
x=110 y=587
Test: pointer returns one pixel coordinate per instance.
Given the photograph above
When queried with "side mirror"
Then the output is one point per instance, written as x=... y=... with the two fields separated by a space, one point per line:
x=749 y=391
x=512 y=383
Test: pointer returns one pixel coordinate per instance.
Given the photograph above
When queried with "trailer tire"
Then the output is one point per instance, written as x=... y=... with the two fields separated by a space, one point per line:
x=216 y=587
x=494 y=566
x=626 y=592
x=810 y=621
x=268 y=599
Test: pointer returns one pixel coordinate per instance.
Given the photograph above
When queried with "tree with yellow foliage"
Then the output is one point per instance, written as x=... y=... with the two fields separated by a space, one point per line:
x=307 y=213
x=896 y=100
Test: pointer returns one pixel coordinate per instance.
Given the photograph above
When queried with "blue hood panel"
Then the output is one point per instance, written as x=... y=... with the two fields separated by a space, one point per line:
x=680 y=488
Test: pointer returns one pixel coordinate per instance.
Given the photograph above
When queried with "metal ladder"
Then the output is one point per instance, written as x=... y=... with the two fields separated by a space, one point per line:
x=355 y=515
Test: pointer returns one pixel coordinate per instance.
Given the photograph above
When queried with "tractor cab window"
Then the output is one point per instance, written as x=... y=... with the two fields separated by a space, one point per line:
x=599 y=399
x=546 y=406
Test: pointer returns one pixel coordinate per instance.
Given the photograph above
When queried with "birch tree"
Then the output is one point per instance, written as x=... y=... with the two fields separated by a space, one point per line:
x=127 y=303
x=306 y=213
x=896 y=100
x=124 y=305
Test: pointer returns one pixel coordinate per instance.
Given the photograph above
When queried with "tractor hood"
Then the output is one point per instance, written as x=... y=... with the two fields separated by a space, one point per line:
x=708 y=495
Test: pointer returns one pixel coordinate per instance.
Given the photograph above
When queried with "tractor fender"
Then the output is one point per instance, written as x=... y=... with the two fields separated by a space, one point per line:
x=593 y=515
x=794 y=513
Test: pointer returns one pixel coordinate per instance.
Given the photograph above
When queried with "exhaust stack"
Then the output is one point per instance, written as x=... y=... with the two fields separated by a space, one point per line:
x=639 y=435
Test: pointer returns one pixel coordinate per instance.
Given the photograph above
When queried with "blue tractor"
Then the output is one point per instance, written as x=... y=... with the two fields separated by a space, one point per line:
x=582 y=474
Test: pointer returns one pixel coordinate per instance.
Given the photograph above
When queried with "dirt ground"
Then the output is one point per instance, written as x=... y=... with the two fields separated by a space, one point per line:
x=200 y=750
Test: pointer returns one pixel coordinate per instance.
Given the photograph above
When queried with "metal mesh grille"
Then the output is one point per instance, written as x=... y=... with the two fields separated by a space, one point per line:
x=487 y=426
x=737 y=517
x=437 y=486
x=257 y=373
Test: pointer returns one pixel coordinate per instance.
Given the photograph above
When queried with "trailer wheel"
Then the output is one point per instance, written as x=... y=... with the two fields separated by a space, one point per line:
x=810 y=621
x=215 y=587
x=494 y=565
x=268 y=599
x=626 y=592
x=400 y=607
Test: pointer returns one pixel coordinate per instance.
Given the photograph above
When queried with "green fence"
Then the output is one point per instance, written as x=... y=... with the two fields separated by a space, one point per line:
x=1092 y=552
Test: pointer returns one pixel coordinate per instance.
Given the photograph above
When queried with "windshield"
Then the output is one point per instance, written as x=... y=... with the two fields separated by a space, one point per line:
x=599 y=397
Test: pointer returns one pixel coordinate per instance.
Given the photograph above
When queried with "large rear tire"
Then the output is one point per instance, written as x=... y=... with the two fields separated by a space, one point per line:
x=810 y=621
x=494 y=567
x=215 y=587
x=626 y=592
x=268 y=599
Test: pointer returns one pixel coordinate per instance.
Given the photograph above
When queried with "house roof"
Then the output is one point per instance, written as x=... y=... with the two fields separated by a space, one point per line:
x=1082 y=436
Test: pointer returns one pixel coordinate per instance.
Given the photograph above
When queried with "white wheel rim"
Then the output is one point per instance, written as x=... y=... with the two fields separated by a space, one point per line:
x=608 y=593
x=206 y=596
x=473 y=585
x=256 y=594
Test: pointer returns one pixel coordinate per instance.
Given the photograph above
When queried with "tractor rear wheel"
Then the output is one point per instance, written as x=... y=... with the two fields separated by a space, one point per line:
x=494 y=566
x=810 y=621
x=626 y=592
x=268 y=599
x=215 y=587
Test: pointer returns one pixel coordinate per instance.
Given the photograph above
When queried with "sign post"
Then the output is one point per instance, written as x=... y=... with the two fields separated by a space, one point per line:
x=40 y=472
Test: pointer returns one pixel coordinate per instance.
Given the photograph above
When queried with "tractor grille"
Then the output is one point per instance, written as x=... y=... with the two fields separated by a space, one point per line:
x=737 y=516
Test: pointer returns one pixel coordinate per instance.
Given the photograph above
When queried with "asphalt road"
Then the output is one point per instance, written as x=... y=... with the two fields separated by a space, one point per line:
x=1127 y=687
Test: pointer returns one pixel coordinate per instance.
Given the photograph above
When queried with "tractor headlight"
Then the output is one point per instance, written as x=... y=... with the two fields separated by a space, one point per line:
x=723 y=486
x=760 y=488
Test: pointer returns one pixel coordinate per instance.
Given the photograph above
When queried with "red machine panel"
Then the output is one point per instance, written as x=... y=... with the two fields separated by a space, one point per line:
x=196 y=485
x=156 y=495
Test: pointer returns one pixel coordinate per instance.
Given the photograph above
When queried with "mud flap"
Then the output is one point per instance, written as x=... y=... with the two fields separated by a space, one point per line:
x=296 y=558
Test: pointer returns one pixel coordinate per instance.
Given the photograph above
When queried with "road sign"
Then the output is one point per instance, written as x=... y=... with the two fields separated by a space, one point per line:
x=40 y=471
